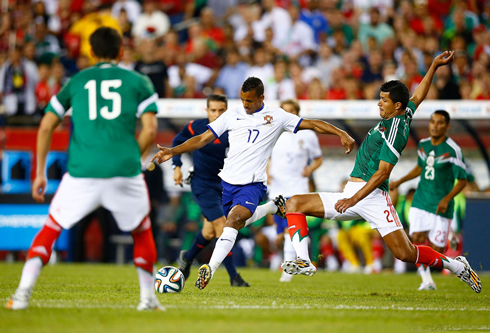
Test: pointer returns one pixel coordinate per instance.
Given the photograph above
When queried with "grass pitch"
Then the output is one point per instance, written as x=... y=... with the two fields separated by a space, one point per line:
x=102 y=298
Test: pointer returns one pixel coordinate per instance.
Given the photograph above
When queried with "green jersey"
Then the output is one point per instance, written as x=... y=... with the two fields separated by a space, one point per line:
x=105 y=101
x=440 y=165
x=384 y=142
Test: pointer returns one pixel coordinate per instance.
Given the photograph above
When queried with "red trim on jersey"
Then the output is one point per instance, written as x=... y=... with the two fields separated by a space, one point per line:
x=190 y=127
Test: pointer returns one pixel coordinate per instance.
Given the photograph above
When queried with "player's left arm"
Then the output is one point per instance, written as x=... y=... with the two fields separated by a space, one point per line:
x=323 y=127
x=378 y=178
x=44 y=135
x=149 y=126
x=423 y=88
x=458 y=187
x=317 y=162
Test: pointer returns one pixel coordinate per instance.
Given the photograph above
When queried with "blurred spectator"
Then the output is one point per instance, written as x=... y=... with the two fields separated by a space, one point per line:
x=315 y=91
x=326 y=63
x=222 y=8
x=425 y=22
x=280 y=87
x=411 y=77
x=30 y=51
x=152 y=22
x=445 y=84
x=182 y=67
x=380 y=31
x=458 y=26
x=46 y=45
x=261 y=68
x=153 y=67
x=187 y=89
x=485 y=88
x=481 y=37
x=53 y=22
x=251 y=25
x=127 y=60
x=372 y=72
x=389 y=71
x=460 y=66
x=171 y=47
x=336 y=22
x=95 y=16
x=43 y=92
x=209 y=28
x=178 y=10
x=131 y=7
x=232 y=75
x=18 y=79
x=279 y=20
x=312 y=16
x=124 y=23
x=352 y=88
x=300 y=41
x=336 y=89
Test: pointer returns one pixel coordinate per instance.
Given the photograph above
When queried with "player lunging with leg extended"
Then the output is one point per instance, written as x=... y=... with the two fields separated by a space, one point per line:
x=253 y=129
x=366 y=194
x=439 y=164
x=106 y=101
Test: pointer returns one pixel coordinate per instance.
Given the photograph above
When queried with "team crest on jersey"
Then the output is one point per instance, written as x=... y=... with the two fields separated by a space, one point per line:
x=382 y=129
x=268 y=120
x=431 y=159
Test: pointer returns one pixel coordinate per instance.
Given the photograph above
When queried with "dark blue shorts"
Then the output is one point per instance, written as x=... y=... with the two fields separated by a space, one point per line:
x=208 y=196
x=248 y=196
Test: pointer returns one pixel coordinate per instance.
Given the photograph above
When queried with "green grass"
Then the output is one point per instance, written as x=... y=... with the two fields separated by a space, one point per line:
x=102 y=298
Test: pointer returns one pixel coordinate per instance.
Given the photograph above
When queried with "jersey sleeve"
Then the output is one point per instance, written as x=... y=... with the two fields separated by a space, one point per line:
x=148 y=97
x=394 y=143
x=290 y=122
x=61 y=102
x=420 y=156
x=314 y=150
x=180 y=138
x=220 y=125
x=459 y=166
x=410 y=109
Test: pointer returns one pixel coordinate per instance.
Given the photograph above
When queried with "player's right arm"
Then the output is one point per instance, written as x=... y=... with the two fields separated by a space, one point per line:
x=423 y=88
x=323 y=127
x=44 y=135
x=414 y=173
x=190 y=145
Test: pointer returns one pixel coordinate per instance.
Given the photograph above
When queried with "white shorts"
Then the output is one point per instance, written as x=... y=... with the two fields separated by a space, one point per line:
x=125 y=197
x=376 y=208
x=437 y=226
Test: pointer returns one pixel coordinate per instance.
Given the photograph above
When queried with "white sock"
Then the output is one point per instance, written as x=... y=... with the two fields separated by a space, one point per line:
x=425 y=274
x=30 y=273
x=454 y=266
x=223 y=246
x=289 y=253
x=147 y=288
x=261 y=211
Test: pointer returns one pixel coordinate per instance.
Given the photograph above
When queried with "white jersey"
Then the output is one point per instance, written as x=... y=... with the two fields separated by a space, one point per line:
x=290 y=156
x=251 y=138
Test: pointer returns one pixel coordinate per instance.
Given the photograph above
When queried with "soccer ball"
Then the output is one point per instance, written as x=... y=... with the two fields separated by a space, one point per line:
x=169 y=279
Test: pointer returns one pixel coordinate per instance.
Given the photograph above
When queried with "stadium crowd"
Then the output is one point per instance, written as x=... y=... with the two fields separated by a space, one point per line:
x=318 y=49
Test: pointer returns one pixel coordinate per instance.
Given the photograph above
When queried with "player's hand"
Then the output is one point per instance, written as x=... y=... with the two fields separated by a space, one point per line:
x=394 y=185
x=163 y=155
x=307 y=172
x=442 y=206
x=348 y=142
x=178 y=176
x=38 y=188
x=342 y=205
x=444 y=58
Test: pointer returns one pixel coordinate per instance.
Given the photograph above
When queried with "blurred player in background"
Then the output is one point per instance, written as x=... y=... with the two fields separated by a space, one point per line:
x=206 y=186
x=366 y=194
x=440 y=162
x=293 y=160
x=106 y=101
x=253 y=129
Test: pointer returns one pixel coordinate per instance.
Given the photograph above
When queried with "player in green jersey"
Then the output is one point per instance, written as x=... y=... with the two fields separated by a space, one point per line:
x=440 y=162
x=366 y=194
x=105 y=101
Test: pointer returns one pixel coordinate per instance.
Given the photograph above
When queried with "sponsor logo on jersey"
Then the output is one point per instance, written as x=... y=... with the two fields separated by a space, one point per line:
x=268 y=120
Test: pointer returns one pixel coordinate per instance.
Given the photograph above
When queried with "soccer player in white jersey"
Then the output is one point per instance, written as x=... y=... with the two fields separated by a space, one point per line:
x=439 y=164
x=106 y=101
x=366 y=194
x=253 y=129
x=293 y=160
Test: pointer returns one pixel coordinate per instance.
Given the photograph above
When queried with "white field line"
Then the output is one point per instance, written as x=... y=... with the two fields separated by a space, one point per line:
x=94 y=304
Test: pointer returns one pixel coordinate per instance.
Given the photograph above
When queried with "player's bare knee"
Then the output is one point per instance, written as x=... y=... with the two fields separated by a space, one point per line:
x=294 y=205
x=235 y=222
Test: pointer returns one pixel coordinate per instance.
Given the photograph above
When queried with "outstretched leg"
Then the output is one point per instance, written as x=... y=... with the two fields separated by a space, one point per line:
x=37 y=256
x=402 y=249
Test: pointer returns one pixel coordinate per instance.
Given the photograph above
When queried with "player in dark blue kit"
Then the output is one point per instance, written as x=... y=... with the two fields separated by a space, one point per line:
x=206 y=185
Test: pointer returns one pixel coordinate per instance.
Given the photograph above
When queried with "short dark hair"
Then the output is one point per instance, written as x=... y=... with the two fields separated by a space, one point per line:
x=293 y=102
x=253 y=83
x=106 y=42
x=398 y=92
x=217 y=98
x=445 y=114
